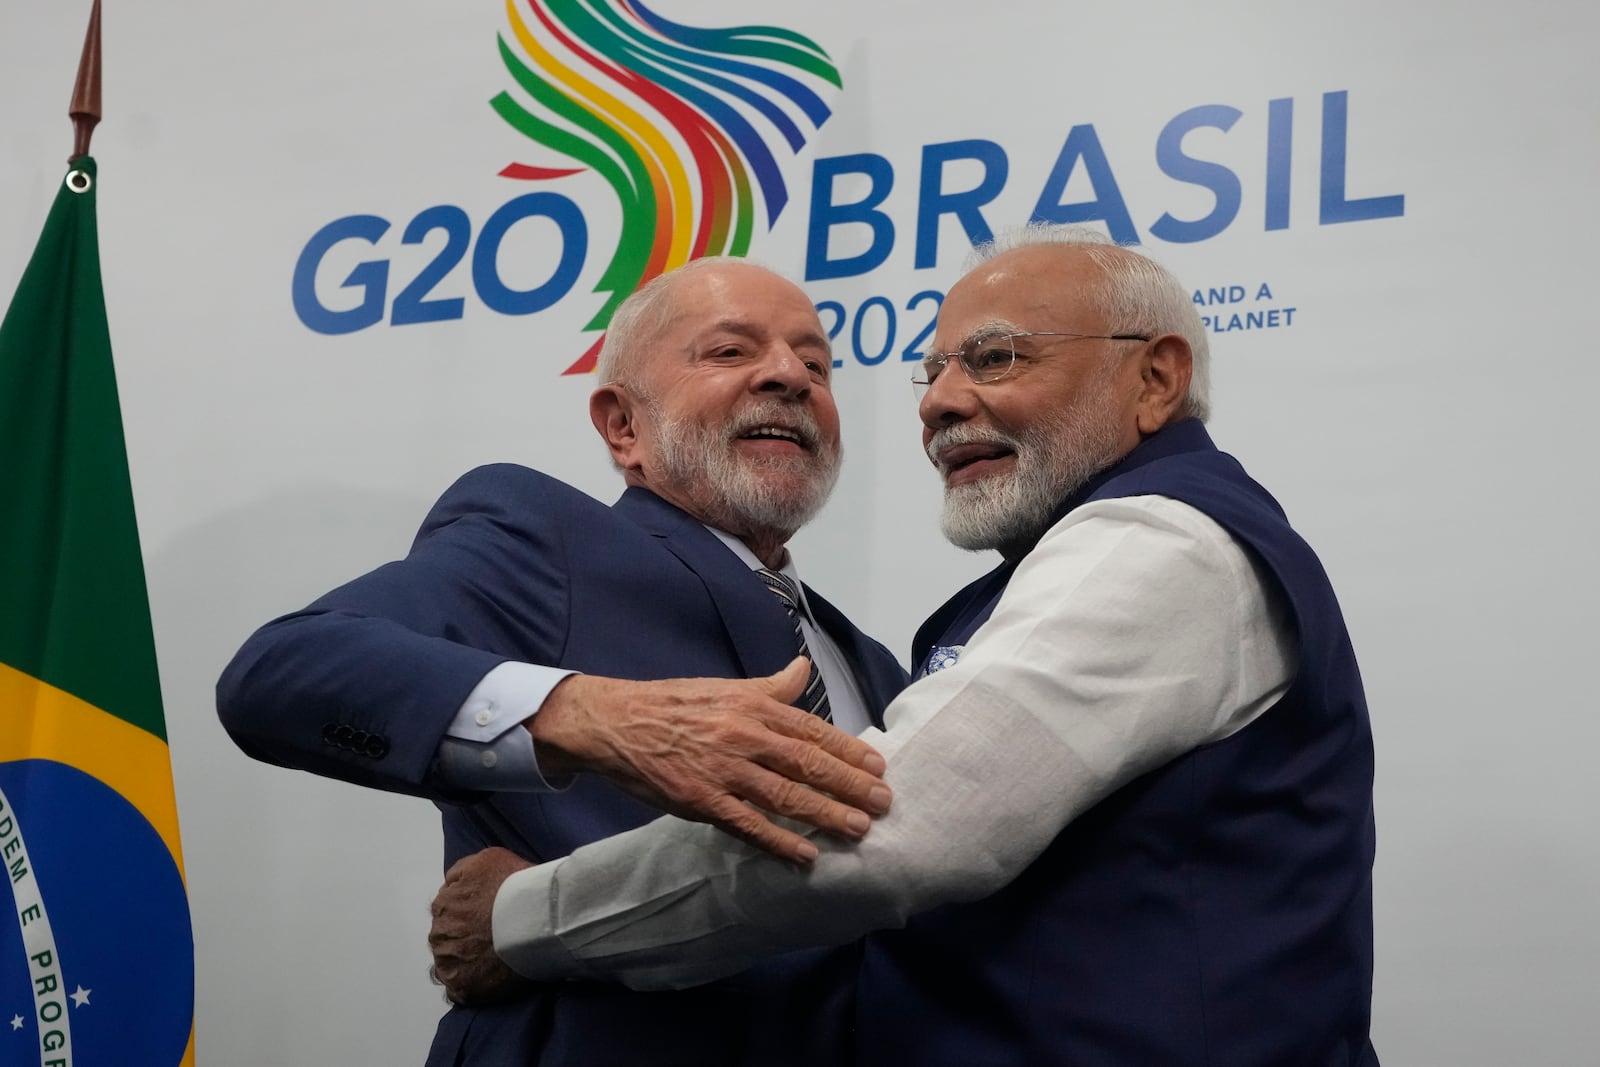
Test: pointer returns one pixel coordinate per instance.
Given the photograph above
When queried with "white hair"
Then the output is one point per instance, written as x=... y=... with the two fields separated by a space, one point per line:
x=1139 y=295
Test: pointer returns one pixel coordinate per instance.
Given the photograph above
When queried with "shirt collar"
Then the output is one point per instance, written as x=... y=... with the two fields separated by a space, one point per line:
x=742 y=550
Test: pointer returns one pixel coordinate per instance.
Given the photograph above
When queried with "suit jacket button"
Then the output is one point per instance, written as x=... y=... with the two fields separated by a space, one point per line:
x=377 y=747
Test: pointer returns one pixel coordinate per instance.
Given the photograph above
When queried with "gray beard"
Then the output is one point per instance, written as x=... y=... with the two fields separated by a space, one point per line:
x=1055 y=456
x=745 y=494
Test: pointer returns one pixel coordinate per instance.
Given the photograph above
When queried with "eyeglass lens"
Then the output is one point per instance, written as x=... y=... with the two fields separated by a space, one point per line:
x=983 y=361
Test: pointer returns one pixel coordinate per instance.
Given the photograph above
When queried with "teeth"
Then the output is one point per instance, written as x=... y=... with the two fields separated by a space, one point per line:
x=774 y=431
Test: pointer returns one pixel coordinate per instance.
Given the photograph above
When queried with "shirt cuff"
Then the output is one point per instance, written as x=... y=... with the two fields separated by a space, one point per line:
x=524 y=934
x=484 y=748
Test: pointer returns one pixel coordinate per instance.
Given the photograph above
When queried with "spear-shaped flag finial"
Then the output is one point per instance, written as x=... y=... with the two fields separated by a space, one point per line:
x=85 y=108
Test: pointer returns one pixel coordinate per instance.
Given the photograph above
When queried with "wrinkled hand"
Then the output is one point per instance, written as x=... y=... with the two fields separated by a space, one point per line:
x=716 y=750
x=462 y=935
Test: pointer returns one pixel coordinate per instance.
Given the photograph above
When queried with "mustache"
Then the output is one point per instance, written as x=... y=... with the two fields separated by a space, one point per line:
x=963 y=433
x=788 y=416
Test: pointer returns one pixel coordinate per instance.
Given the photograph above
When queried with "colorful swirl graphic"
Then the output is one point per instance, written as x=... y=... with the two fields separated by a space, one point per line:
x=671 y=116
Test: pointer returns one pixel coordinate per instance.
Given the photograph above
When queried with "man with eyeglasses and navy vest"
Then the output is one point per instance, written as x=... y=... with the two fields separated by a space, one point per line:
x=1133 y=782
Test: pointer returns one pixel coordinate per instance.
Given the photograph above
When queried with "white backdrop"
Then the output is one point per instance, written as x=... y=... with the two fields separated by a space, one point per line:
x=1420 y=418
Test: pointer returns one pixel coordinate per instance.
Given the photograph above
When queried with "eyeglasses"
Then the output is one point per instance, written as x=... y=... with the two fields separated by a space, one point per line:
x=991 y=358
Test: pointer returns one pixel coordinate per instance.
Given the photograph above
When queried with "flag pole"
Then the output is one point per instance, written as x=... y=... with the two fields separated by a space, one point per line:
x=85 y=107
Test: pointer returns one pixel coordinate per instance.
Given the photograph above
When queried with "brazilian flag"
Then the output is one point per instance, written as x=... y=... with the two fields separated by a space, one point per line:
x=96 y=949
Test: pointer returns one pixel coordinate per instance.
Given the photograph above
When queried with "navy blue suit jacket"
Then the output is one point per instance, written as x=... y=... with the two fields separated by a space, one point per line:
x=514 y=565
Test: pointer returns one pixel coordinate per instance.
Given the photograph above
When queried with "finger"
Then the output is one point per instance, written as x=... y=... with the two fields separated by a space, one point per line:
x=779 y=795
x=852 y=750
x=467 y=866
x=795 y=723
x=450 y=980
x=786 y=686
x=808 y=765
x=458 y=869
x=754 y=828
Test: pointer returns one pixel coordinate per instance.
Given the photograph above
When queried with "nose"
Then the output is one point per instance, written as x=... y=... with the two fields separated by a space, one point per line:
x=951 y=398
x=782 y=370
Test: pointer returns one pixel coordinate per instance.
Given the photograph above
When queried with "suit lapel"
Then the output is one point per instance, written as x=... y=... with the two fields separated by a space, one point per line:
x=755 y=621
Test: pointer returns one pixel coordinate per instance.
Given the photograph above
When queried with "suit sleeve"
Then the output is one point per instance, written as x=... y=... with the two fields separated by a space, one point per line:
x=363 y=683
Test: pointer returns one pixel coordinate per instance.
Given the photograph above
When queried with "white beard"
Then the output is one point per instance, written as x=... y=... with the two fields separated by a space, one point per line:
x=1054 y=457
x=744 y=492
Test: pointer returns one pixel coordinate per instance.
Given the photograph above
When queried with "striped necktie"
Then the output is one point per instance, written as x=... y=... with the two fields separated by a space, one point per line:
x=815 y=698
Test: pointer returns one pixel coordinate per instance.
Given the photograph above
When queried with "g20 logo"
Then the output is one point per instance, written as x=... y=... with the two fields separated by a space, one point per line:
x=688 y=127
x=414 y=301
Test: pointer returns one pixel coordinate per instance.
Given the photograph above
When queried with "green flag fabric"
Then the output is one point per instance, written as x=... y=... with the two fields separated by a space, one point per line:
x=98 y=965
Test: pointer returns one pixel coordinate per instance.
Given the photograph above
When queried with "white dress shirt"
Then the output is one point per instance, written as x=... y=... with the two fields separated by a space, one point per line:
x=845 y=703
x=1136 y=630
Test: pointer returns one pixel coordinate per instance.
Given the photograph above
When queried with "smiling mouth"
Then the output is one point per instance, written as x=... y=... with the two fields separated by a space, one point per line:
x=775 y=433
x=952 y=461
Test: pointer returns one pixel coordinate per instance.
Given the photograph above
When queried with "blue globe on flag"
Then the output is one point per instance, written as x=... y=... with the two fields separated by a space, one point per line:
x=96 y=961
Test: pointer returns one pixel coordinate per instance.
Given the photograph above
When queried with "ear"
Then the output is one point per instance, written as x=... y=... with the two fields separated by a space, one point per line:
x=1164 y=371
x=615 y=415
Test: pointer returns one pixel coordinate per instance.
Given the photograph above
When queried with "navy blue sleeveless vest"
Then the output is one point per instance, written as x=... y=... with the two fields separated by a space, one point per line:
x=1216 y=911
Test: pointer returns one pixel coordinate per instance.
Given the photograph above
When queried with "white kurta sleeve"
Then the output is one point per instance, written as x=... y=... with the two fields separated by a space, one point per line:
x=1136 y=630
